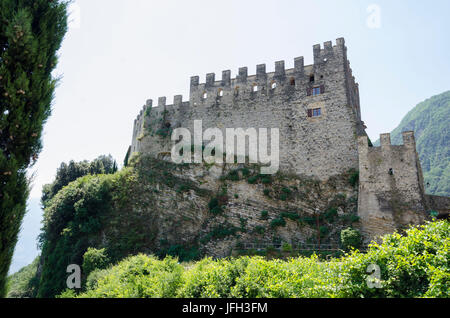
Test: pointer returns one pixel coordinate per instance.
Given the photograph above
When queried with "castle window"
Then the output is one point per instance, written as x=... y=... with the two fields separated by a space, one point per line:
x=316 y=112
x=220 y=92
x=311 y=78
x=292 y=81
x=273 y=85
x=205 y=95
x=236 y=91
x=316 y=91
x=254 y=88
x=391 y=171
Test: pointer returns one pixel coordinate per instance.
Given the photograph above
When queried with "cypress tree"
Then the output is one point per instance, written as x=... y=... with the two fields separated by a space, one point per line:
x=31 y=32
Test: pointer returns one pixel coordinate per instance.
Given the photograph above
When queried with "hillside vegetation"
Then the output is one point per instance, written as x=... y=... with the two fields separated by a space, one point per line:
x=430 y=122
x=413 y=265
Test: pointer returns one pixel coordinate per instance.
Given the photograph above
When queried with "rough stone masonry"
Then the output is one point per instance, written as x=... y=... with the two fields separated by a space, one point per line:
x=317 y=111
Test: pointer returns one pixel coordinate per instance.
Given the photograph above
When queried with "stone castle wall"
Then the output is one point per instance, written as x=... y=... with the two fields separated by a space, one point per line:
x=321 y=146
x=391 y=193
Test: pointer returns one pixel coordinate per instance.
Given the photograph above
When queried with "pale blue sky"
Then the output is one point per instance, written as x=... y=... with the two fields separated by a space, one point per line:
x=119 y=53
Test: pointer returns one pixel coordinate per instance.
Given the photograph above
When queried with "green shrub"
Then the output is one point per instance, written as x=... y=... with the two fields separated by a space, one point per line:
x=264 y=215
x=324 y=230
x=286 y=190
x=286 y=247
x=139 y=276
x=331 y=214
x=277 y=223
x=94 y=259
x=252 y=179
x=350 y=238
x=233 y=175
x=290 y=215
x=214 y=206
x=266 y=192
x=245 y=172
x=354 y=178
x=266 y=179
x=259 y=229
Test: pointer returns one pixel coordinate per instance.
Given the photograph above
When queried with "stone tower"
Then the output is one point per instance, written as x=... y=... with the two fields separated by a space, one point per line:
x=391 y=191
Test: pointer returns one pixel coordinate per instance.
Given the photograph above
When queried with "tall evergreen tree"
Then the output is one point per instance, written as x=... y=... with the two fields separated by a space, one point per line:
x=31 y=32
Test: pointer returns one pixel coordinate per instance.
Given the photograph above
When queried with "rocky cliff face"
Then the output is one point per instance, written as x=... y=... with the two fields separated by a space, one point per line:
x=220 y=208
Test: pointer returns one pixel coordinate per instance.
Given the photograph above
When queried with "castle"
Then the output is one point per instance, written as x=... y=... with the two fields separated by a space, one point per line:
x=317 y=111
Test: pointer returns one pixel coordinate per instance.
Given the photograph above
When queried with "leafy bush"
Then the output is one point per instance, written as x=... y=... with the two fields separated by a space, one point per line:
x=331 y=214
x=277 y=223
x=266 y=179
x=94 y=259
x=290 y=215
x=214 y=206
x=414 y=265
x=139 y=276
x=286 y=247
x=259 y=229
x=350 y=238
x=22 y=284
x=264 y=215
x=252 y=179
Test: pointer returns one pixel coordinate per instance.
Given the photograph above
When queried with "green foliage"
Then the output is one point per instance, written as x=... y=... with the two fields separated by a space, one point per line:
x=277 y=223
x=266 y=192
x=67 y=173
x=183 y=253
x=252 y=179
x=164 y=132
x=414 y=265
x=233 y=175
x=94 y=259
x=264 y=215
x=429 y=121
x=259 y=229
x=350 y=238
x=31 y=33
x=22 y=284
x=286 y=247
x=331 y=214
x=290 y=215
x=214 y=206
x=76 y=214
x=266 y=179
x=219 y=232
x=354 y=177
x=140 y=276
x=127 y=157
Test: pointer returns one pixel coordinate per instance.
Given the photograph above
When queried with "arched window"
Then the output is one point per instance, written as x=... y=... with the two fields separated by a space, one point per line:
x=273 y=85
x=254 y=88
x=292 y=81
x=204 y=95
x=220 y=92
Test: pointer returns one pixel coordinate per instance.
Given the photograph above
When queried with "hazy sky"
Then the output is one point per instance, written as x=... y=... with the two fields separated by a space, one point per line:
x=119 y=53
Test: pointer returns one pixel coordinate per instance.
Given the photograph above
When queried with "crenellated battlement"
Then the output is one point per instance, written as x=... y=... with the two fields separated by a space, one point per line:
x=228 y=89
x=284 y=98
x=409 y=142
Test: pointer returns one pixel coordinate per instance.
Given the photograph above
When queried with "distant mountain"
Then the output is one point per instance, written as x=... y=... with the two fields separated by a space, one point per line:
x=26 y=249
x=430 y=120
